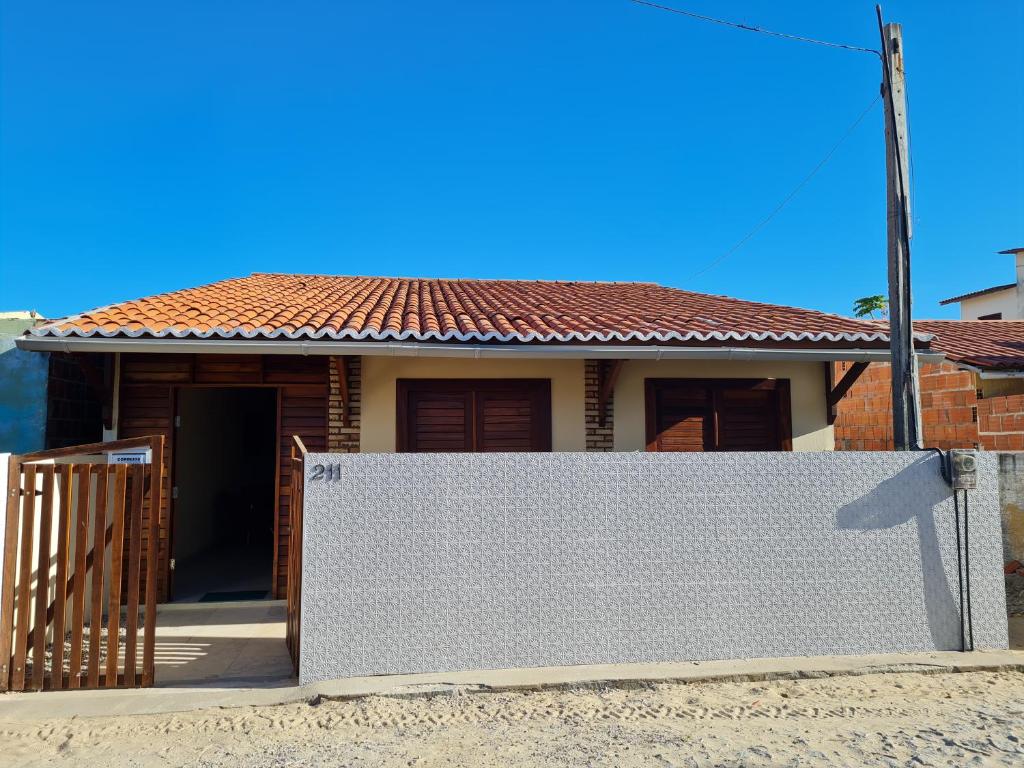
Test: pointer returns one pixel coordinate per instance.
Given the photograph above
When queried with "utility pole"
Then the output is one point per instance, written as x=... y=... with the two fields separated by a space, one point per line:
x=906 y=406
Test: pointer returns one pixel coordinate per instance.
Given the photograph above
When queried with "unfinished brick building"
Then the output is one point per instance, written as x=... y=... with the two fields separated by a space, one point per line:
x=973 y=400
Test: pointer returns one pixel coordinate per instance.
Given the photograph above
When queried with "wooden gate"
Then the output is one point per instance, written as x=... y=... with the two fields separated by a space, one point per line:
x=294 y=588
x=72 y=558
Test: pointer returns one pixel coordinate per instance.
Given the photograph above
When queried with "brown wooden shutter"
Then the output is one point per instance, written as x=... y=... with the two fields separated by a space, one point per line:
x=748 y=419
x=458 y=415
x=718 y=415
x=439 y=422
x=682 y=419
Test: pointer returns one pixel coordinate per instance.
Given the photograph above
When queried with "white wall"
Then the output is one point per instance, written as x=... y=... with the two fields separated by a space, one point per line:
x=441 y=562
x=1000 y=301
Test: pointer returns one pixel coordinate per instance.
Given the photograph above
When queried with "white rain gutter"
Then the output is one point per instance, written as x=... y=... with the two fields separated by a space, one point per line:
x=426 y=349
x=983 y=374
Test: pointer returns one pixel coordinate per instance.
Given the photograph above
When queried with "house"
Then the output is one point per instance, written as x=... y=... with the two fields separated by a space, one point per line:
x=1000 y=302
x=974 y=398
x=22 y=388
x=230 y=371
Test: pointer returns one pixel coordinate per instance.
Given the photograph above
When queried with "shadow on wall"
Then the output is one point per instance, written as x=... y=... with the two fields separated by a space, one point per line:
x=876 y=511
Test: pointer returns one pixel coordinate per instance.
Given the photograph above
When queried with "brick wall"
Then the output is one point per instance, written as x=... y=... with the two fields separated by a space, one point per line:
x=599 y=438
x=949 y=409
x=73 y=412
x=342 y=439
x=1001 y=423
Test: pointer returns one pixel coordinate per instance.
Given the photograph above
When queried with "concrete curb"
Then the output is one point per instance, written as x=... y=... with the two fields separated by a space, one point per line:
x=153 y=701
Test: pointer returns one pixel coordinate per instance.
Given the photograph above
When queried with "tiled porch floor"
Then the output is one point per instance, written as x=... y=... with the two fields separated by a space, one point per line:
x=225 y=645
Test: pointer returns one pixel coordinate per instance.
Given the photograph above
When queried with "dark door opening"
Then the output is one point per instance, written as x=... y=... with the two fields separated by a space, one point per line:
x=222 y=537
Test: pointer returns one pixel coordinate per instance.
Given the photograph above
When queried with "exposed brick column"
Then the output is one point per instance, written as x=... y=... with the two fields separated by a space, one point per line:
x=342 y=439
x=598 y=438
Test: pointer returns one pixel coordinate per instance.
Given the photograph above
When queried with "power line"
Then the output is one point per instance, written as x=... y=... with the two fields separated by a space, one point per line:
x=791 y=195
x=751 y=28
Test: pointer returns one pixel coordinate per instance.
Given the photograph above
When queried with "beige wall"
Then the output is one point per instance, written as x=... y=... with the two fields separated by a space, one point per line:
x=811 y=431
x=1000 y=387
x=377 y=431
x=1001 y=301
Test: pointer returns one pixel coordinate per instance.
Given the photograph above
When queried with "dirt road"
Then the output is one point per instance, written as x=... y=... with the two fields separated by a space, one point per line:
x=893 y=719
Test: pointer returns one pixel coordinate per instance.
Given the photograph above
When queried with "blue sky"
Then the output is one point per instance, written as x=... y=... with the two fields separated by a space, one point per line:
x=151 y=146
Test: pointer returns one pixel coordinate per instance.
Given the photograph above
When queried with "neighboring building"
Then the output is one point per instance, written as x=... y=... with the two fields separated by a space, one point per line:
x=22 y=388
x=47 y=400
x=1000 y=302
x=229 y=372
x=973 y=399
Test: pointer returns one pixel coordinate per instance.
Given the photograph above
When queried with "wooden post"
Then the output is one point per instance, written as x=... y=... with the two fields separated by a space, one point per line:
x=8 y=560
x=906 y=410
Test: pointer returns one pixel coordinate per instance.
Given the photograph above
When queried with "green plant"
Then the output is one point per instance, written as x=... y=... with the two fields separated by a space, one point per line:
x=867 y=306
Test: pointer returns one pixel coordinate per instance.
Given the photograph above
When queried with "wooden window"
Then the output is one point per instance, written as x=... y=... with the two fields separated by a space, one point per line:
x=484 y=415
x=718 y=415
x=993 y=316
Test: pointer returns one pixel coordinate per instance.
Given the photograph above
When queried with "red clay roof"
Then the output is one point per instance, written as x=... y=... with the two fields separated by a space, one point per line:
x=987 y=344
x=382 y=308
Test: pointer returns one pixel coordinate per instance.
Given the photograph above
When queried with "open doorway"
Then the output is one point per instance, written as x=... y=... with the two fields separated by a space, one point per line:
x=225 y=461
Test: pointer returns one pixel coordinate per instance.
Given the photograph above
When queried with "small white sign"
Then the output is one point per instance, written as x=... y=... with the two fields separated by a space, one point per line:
x=129 y=457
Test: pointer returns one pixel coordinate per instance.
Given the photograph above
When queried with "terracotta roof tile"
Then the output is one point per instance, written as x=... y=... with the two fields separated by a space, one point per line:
x=975 y=294
x=987 y=344
x=383 y=308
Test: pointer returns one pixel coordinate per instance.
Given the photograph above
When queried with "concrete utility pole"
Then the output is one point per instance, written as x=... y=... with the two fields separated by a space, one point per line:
x=906 y=406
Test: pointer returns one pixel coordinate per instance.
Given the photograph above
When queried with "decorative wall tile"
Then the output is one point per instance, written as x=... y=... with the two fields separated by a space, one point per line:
x=440 y=562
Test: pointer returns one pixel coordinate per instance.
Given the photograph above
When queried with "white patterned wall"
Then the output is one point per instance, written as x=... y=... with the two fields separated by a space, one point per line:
x=416 y=563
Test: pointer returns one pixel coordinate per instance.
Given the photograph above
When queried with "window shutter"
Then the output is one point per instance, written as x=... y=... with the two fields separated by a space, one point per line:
x=439 y=422
x=683 y=419
x=504 y=422
x=459 y=415
x=718 y=415
x=747 y=420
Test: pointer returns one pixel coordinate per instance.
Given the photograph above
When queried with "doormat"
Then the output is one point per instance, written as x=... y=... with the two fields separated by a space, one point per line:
x=224 y=597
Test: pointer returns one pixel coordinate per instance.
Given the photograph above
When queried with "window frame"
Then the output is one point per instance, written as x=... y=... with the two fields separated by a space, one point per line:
x=539 y=391
x=783 y=401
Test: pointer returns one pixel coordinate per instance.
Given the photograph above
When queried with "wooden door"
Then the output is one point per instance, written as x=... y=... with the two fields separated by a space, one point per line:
x=460 y=415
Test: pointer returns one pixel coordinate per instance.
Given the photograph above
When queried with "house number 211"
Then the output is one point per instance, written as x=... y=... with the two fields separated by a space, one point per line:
x=328 y=472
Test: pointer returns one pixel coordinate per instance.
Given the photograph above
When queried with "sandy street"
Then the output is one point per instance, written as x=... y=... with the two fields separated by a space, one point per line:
x=895 y=719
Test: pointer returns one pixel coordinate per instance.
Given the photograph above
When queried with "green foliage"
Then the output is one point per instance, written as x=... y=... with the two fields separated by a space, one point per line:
x=867 y=306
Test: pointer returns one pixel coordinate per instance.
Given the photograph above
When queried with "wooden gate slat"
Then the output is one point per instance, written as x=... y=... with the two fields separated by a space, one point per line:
x=61 y=586
x=294 y=566
x=13 y=491
x=81 y=529
x=96 y=593
x=116 y=549
x=28 y=509
x=155 y=501
x=42 y=578
x=134 y=566
x=35 y=546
